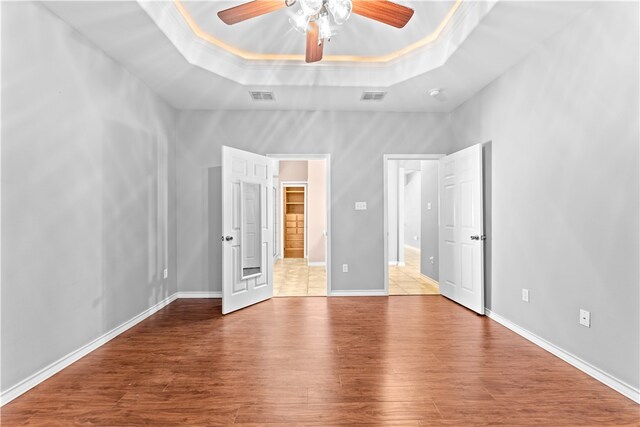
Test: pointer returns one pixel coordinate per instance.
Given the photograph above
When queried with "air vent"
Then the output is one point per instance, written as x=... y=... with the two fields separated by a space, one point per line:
x=373 y=96
x=262 y=96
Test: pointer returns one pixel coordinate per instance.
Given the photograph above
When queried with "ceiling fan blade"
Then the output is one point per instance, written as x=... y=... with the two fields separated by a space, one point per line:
x=383 y=11
x=314 y=44
x=250 y=10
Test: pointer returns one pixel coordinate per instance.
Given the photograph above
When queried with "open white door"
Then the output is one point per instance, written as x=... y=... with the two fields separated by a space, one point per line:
x=461 y=228
x=247 y=274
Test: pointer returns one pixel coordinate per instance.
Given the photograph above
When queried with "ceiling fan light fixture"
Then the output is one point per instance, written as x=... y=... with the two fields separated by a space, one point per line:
x=324 y=27
x=340 y=10
x=311 y=7
x=317 y=19
x=300 y=22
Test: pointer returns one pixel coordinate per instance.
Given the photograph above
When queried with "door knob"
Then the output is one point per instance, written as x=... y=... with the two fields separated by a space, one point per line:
x=227 y=238
x=483 y=237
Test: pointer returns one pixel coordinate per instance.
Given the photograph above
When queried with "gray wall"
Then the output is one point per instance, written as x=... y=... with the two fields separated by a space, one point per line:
x=87 y=163
x=356 y=142
x=429 y=226
x=214 y=226
x=563 y=126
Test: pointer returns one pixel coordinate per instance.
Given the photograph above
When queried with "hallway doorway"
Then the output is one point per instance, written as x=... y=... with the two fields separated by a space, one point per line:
x=411 y=222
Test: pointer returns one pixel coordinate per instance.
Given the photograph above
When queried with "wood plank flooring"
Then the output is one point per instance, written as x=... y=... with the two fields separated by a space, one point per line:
x=400 y=361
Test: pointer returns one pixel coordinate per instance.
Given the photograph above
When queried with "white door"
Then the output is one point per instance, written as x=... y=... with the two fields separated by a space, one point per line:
x=247 y=274
x=461 y=243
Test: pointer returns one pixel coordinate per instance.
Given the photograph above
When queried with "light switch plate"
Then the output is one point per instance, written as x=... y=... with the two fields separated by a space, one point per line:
x=361 y=206
x=345 y=268
x=525 y=295
x=429 y=206
x=165 y=273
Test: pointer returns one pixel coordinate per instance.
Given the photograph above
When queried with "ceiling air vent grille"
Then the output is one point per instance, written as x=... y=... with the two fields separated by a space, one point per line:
x=262 y=96
x=373 y=96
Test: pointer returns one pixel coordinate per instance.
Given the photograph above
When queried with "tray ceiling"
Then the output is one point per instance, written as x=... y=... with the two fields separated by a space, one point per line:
x=272 y=34
x=153 y=41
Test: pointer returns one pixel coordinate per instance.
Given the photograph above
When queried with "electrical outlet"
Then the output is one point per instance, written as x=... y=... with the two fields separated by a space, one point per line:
x=525 y=295
x=429 y=206
x=585 y=318
x=345 y=268
x=431 y=259
x=361 y=206
x=165 y=273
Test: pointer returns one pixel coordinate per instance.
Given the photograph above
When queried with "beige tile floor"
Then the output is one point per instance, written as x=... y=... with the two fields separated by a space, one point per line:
x=407 y=280
x=292 y=277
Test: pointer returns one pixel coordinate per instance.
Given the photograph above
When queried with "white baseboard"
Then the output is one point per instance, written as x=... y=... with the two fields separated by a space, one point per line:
x=396 y=263
x=316 y=263
x=190 y=294
x=40 y=376
x=432 y=281
x=608 y=380
x=360 y=293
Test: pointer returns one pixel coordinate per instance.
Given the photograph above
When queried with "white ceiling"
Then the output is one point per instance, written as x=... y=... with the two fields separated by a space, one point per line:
x=477 y=49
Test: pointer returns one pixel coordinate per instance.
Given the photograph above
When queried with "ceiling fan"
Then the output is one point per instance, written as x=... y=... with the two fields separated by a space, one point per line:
x=316 y=18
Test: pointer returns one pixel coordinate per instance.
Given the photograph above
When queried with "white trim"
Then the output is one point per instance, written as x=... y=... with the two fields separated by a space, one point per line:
x=48 y=371
x=316 y=263
x=360 y=293
x=606 y=379
x=1 y=97
x=432 y=281
x=385 y=198
x=396 y=263
x=195 y=294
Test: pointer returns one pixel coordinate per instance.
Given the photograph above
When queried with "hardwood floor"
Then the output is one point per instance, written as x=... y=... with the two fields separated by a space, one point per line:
x=400 y=361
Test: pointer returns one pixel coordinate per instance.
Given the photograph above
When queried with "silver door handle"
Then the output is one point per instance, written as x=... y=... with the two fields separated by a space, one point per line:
x=483 y=237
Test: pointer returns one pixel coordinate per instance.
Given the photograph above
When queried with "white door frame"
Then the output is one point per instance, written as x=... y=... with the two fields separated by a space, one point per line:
x=327 y=158
x=283 y=185
x=385 y=159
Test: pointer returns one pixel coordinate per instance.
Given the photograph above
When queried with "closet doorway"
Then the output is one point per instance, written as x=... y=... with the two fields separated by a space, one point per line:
x=294 y=221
